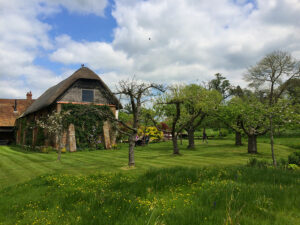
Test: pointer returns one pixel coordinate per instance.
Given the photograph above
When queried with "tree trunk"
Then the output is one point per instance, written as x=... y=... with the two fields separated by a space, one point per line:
x=175 y=145
x=131 y=150
x=191 y=136
x=252 y=144
x=272 y=142
x=180 y=139
x=59 y=147
x=238 y=138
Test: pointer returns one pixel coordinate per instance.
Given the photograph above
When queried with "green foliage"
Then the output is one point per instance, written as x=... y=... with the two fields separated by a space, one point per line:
x=221 y=84
x=294 y=158
x=28 y=137
x=293 y=167
x=194 y=100
x=40 y=139
x=88 y=121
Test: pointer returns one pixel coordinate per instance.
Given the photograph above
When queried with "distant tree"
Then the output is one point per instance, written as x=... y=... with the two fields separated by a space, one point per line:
x=267 y=76
x=293 y=90
x=221 y=84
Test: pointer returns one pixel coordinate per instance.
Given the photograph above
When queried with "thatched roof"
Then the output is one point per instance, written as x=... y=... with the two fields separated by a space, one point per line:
x=53 y=93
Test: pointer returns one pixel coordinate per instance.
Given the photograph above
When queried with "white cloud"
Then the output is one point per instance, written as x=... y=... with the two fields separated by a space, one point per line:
x=24 y=37
x=158 y=40
x=99 y=55
x=190 y=40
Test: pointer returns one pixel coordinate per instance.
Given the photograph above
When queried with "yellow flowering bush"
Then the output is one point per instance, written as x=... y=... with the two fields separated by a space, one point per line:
x=152 y=132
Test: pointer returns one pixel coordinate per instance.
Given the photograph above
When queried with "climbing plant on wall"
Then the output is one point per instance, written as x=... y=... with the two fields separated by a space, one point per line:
x=88 y=121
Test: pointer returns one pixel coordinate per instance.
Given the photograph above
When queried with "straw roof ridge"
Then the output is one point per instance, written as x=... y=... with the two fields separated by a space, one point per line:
x=51 y=95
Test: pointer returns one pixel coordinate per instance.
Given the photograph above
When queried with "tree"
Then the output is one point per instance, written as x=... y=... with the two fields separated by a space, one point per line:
x=222 y=85
x=241 y=93
x=198 y=103
x=185 y=107
x=293 y=90
x=267 y=76
x=54 y=125
x=250 y=113
x=137 y=93
x=170 y=105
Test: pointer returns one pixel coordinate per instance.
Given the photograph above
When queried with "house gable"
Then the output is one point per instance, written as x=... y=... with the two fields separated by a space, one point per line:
x=56 y=92
x=74 y=93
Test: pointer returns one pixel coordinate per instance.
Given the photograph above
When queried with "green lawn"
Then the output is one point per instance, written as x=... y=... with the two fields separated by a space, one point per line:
x=17 y=166
x=209 y=185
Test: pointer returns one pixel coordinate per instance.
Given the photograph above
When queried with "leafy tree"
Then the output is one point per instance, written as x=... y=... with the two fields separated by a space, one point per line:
x=222 y=85
x=170 y=106
x=293 y=90
x=185 y=107
x=251 y=115
x=267 y=76
x=197 y=104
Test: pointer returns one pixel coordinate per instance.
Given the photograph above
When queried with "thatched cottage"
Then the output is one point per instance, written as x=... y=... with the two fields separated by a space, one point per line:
x=83 y=87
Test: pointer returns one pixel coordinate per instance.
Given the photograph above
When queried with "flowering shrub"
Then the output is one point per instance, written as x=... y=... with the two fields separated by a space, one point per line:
x=152 y=132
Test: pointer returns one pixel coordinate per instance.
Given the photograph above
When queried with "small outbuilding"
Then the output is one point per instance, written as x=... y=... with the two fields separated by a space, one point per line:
x=84 y=87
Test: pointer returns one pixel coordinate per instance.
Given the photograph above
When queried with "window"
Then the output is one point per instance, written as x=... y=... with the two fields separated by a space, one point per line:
x=87 y=95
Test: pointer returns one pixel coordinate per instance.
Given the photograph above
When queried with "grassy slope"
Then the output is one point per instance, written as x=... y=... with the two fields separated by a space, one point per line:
x=157 y=191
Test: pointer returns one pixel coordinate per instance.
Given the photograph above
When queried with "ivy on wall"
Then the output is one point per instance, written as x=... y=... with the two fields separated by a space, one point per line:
x=88 y=121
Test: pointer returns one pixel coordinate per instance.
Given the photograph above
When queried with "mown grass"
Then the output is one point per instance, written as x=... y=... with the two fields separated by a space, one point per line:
x=292 y=142
x=17 y=166
x=209 y=185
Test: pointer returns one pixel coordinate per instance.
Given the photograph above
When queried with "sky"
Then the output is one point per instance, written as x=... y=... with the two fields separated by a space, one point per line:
x=167 y=41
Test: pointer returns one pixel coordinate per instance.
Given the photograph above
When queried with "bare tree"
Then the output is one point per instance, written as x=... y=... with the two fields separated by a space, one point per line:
x=137 y=92
x=268 y=75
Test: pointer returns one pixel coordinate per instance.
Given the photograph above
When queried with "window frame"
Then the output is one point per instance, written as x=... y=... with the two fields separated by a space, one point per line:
x=93 y=91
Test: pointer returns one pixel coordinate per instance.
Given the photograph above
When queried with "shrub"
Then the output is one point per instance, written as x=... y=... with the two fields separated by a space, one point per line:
x=294 y=158
x=293 y=167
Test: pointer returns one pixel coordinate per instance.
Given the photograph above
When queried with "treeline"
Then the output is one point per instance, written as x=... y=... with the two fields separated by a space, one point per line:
x=271 y=100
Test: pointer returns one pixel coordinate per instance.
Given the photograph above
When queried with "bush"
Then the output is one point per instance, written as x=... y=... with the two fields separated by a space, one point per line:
x=294 y=158
x=293 y=167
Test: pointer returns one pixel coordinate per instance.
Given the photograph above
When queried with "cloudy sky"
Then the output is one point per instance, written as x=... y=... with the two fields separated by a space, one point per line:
x=44 y=41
